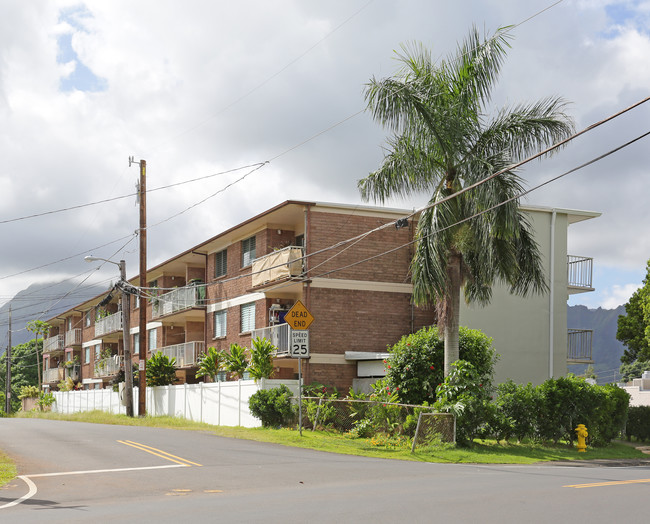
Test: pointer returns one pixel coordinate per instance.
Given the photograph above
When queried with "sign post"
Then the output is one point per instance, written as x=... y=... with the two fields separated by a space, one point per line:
x=299 y=319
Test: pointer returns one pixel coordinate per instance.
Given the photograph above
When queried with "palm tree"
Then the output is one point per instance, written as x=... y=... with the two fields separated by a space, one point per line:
x=444 y=141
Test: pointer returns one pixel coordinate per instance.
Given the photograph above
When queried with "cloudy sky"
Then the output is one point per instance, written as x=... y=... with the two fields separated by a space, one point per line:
x=198 y=88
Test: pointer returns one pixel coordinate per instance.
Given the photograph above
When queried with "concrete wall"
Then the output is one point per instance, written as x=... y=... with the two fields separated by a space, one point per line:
x=521 y=327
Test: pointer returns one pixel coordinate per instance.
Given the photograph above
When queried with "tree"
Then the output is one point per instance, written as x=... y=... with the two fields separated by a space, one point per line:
x=211 y=363
x=261 y=365
x=23 y=371
x=634 y=327
x=443 y=141
x=237 y=360
x=38 y=327
x=160 y=370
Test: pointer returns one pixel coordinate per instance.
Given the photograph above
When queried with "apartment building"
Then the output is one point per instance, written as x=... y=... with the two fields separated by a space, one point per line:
x=239 y=284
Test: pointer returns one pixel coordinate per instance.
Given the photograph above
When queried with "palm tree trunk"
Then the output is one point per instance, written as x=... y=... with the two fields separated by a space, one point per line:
x=452 y=316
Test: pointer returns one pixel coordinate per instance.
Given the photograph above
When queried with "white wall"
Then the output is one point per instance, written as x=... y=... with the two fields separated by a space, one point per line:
x=220 y=403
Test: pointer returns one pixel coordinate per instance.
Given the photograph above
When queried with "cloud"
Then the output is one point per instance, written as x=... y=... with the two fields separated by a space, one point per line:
x=618 y=295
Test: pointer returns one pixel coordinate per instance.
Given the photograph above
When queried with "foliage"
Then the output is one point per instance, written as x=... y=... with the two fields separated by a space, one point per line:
x=23 y=371
x=634 y=369
x=120 y=377
x=516 y=405
x=638 y=423
x=28 y=392
x=272 y=406
x=445 y=141
x=45 y=400
x=67 y=384
x=415 y=366
x=237 y=360
x=211 y=363
x=261 y=364
x=465 y=393
x=634 y=327
x=320 y=413
x=160 y=370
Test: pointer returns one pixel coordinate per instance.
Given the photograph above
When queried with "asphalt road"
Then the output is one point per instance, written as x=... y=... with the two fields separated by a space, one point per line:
x=78 y=472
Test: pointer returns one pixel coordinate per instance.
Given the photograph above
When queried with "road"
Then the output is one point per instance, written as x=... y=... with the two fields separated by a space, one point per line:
x=78 y=472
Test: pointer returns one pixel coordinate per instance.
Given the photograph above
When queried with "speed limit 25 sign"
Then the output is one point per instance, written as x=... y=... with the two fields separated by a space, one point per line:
x=299 y=343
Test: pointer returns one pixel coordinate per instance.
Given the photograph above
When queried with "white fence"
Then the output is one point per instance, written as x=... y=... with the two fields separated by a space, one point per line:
x=218 y=403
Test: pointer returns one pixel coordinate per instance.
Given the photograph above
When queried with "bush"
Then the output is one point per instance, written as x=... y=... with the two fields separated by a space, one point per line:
x=261 y=364
x=464 y=393
x=415 y=366
x=160 y=370
x=272 y=406
x=516 y=405
x=638 y=423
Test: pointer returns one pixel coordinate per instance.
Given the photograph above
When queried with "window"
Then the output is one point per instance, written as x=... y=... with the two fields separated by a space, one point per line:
x=98 y=351
x=247 y=317
x=87 y=317
x=87 y=355
x=69 y=323
x=152 y=339
x=220 y=318
x=136 y=301
x=136 y=344
x=247 y=251
x=300 y=241
x=220 y=263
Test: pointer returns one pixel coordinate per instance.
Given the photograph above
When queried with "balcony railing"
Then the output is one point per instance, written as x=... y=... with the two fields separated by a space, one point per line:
x=55 y=343
x=278 y=336
x=107 y=367
x=579 y=346
x=108 y=324
x=282 y=263
x=52 y=375
x=580 y=272
x=73 y=337
x=186 y=354
x=178 y=300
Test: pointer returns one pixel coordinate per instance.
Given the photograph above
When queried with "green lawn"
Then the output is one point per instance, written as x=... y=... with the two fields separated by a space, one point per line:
x=483 y=452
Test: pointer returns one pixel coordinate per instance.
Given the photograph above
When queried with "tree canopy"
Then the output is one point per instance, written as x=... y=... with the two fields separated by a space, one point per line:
x=634 y=327
x=443 y=141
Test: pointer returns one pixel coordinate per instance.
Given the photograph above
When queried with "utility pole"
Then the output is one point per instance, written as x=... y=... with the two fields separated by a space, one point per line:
x=142 y=335
x=8 y=382
x=126 y=335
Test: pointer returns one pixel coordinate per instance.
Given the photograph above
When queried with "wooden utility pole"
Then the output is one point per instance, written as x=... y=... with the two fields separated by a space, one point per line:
x=8 y=382
x=142 y=390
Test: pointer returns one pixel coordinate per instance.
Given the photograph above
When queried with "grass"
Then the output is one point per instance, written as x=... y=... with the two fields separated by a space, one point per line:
x=483 y=452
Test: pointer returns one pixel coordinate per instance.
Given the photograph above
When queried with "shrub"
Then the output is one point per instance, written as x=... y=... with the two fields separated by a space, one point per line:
x=638 y=423
x=160 y=370
x=261 y=364
x=28 y=392
x=415 y=366
x=272 y=406
x=210 y=363
x=464 y=393
x=516 y=406
x=237 y=360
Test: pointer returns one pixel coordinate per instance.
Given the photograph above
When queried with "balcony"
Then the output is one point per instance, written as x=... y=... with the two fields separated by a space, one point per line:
x=280 y=264
x=579 y=346
x=73 y=337
x=186 y=354
x=109 y=324
x=54 y=344
x=278 y=336
x=108 y=367
x=72 y=372
x=178 y=300
x=579 y=274
x=52 y=375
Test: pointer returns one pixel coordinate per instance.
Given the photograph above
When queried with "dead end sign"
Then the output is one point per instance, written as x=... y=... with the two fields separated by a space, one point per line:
x=299 y=317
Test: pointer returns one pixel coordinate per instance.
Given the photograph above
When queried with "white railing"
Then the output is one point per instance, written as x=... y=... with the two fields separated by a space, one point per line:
x=53 y=375
x=108 y=324
x=186 y=354
x=282 y=263
x=108 y=367
x=178 y=300
x=55 y=343
x=579 y=346
x=73 y=337
x=580 y=272
x=278 y=336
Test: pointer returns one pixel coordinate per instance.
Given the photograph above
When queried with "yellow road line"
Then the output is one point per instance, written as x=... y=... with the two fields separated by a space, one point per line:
x=158 y=453
x=610 y=483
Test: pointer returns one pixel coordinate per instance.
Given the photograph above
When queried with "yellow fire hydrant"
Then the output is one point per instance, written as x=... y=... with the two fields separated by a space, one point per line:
x=581 y=431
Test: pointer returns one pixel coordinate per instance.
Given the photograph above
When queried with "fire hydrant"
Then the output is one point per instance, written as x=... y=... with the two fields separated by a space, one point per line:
x=581 y=431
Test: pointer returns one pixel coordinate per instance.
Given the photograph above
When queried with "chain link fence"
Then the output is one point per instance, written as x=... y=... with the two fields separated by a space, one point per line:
x=367 y=418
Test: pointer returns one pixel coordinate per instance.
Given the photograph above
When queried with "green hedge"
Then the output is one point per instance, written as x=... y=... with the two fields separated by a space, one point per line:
x=638 y=423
